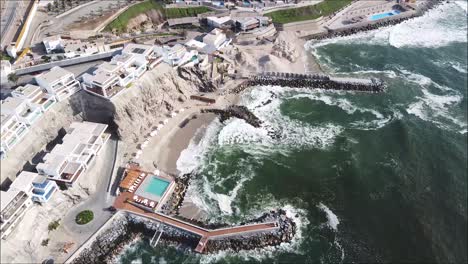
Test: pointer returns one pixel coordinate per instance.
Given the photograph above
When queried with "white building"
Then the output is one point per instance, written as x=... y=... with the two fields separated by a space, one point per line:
x=215 y=40
x=247 y=23
x=52 y=43
x=58 y=82
x=5 y=70
x=177 y=55
x=14 y=204
x=219 y=22
x=12 y=131
x=67 y=161
x=25 y=112
x=112 y=77
x=35 y=95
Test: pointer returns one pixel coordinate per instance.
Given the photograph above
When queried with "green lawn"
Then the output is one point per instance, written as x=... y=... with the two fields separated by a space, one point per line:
x=185 y=12
x=84 y=217
x=120 y=23
x=324 y=8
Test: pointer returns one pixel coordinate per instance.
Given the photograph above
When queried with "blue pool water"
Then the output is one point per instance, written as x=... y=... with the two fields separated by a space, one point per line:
x=384 y=15
x=157 y=186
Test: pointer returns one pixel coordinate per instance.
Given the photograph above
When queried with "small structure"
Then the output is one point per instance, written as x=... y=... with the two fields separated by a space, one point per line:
x=247 y=23
x=12 y=131
x=25 y=111
x=59 y=82
x=219 y=22
x=14 y=204
x=35 y=95
x=67 y=161
x=183 y=22
x=52 y=43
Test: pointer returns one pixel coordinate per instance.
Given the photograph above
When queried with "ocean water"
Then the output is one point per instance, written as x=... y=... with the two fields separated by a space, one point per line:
x=368 y=177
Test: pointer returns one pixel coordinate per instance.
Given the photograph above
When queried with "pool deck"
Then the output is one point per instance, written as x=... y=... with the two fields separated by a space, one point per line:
x=205 y=234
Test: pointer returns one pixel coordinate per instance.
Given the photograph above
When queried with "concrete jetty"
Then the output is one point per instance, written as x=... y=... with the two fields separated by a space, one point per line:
x=122 y=203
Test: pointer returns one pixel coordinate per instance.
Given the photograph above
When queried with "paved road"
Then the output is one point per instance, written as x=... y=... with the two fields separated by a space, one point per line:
x=99 y=200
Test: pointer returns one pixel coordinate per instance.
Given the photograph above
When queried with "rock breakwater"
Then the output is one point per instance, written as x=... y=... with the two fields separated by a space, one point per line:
x=238 y=111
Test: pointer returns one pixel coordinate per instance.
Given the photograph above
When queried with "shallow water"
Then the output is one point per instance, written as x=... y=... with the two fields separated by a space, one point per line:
x=371 y=177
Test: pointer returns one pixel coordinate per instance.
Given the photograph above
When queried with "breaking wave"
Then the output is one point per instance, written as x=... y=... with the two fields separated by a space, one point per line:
x=333 y=220
x=433 y=29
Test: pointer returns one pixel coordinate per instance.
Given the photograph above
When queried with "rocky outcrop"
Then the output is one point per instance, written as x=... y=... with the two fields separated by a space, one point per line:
x=147 y=20
x=284 y=49
x=237 y=111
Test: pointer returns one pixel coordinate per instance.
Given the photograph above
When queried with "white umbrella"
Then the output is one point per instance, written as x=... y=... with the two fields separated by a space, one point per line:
x=181 y=110
x=173 y=114
x=139 y=152
x=160 y=126
x=156 y=172
x=154 y=133
x=166 y=121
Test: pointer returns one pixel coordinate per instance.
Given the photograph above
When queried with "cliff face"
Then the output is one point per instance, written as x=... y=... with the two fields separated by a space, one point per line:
x=154 y=96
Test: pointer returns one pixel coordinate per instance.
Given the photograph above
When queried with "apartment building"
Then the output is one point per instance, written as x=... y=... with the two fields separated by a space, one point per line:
x=25 y=112
x=58 y=82
x=67 y=161
x=14 y=204
x=35 y=95
x=110 y=78
x=12 y=131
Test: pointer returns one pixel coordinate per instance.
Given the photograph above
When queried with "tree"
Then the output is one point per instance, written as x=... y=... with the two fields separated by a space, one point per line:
x=12 y=77
x=49 y=7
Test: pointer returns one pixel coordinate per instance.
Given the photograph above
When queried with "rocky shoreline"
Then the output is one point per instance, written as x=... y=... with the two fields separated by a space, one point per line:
x=238 y=111
x=128 y=228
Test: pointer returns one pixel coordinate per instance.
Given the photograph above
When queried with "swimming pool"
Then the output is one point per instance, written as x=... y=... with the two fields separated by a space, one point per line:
x=157 y=186
x=384 y=15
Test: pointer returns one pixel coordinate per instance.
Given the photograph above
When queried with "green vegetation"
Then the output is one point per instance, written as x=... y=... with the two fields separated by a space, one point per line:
x=45 y=242
x=4 y=56
x=54 y=225
x=84 y=217
x=120 y=23
x=12 y=77
x=185 y=12
x=324 y=8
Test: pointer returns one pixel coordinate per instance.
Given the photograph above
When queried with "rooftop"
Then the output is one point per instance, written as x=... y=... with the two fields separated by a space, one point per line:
x=219 y=20
x=28 y=89
x=11 y=103
x=52 y=38
x=23 y=181
x=139 y=49
x=54 y=74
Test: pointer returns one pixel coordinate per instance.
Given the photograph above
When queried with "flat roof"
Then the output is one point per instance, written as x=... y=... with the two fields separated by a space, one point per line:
x=54 y=74
x=11 y=103
x=219 y=20
x=23 y=181
x=139 y=49
x=7 y=197
x=27 y=90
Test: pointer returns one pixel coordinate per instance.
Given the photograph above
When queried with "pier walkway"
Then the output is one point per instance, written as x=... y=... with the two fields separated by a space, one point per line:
x=205 y=234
